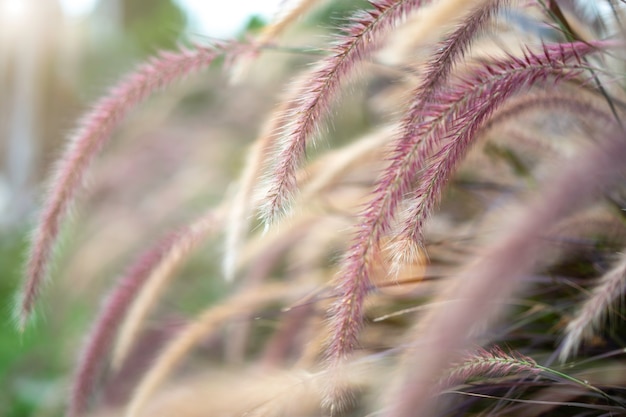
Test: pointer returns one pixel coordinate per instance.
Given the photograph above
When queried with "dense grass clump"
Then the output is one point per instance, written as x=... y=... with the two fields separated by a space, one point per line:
x=461 y=255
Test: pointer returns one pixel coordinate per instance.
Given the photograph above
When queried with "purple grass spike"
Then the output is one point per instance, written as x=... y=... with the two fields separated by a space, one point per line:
x=438 y=69
x=119 y=301
x=112 y=312
x=314 y=93
x=467 y=106
x=489 y=363
x=94 y=130
x=599 y=305
x=353 y=282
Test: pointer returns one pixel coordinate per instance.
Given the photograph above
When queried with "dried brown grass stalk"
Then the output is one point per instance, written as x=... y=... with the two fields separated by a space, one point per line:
x=209 y=321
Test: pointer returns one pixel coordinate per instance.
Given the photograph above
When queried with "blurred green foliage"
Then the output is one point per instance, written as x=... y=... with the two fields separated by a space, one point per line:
x=30 y=363
x=34 y=365
x=335 y=13
x=153 y=25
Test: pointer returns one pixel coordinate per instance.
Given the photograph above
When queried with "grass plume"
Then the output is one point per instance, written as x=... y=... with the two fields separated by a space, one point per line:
x=597 y=306
x=312 y=95
x=95 y=129
x=489 y=364
x=469 y=105
x=152 y=267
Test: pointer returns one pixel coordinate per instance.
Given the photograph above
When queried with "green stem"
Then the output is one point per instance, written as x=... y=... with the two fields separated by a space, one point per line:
x=582 y=383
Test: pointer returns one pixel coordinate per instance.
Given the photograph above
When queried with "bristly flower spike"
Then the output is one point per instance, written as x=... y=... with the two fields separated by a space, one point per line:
x=155 y=264
x=463 y=109
x=610 y=288
x=104 y=329
x=353 y=281
x=314 y=93
x=453 y=121
x=94 y=130
x=435 y=79
x=490 y=363
x=448 y=53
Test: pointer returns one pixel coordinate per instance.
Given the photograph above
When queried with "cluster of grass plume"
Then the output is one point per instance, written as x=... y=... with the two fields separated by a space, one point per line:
x=380 y=262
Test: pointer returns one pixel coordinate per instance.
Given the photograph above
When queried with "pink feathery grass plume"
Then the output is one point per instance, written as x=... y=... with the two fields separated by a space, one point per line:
x=610 y=288
x=353 y=281
x=490 y=363
x=94 y=130
x=480 y=292
x=314 y=92
x=462 y=110
x=440 y=66
x=119 y=301
x=580 y=105
x=103 y=332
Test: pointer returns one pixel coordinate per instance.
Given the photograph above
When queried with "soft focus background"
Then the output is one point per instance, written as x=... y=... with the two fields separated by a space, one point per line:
x=173 y=158
x=58 y=55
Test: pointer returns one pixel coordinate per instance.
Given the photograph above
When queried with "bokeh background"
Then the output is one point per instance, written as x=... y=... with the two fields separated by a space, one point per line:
x=171 y=160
